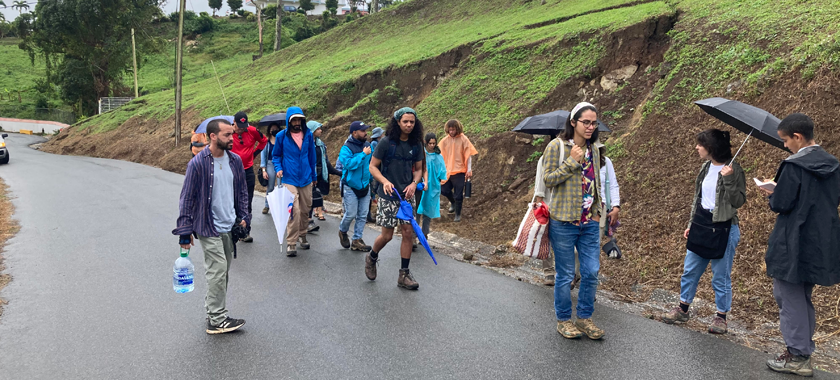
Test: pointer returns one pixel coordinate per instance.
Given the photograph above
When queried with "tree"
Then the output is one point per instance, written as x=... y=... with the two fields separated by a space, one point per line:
x=306 y=5
x=20 y=5
x=86 y=44
x=332 y=5
x=278 y=25
x=234 y=5
x=215 y=5
x=4 y=6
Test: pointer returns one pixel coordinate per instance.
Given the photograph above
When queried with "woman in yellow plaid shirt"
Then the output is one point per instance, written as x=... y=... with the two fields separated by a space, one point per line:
x=571 y=175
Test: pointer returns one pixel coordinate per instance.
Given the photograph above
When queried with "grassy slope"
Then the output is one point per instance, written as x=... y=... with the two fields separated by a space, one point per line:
x=17 y=73
x=230 y=47
x=305 y=73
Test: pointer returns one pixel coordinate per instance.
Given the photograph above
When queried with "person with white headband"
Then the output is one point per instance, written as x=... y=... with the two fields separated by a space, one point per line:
x=572 y=176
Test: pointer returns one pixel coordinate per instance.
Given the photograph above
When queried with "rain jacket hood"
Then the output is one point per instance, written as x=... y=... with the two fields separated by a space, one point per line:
x=815 y=160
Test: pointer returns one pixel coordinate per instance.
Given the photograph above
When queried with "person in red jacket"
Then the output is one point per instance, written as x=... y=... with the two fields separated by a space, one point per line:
x=248 y=142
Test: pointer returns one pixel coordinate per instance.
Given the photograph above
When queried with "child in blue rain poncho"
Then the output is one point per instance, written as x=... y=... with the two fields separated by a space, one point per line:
x=435 y=176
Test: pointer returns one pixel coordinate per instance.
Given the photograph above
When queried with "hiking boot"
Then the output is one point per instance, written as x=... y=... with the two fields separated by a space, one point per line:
x=790 y=363
x=718 y=326
x=359 y=245
x=291 y=250
x=675 y=315
x=247 y=239
x=312 y=228
x=451 y=208
x=265 y=210
x=548 y=280
x=406 y=280
x=370 y=267
x=345 y=241
x=228 y=325
x=303 y=243
x=568 y=330
x=587 y=327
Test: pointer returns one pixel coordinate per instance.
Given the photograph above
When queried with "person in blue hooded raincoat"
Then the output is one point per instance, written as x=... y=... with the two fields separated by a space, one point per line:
x=436 y=175
x=294 y=160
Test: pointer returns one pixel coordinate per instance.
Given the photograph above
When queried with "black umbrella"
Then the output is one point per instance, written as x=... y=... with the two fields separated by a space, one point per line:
x=551 y=123
x=753 y=121
x=277 y=118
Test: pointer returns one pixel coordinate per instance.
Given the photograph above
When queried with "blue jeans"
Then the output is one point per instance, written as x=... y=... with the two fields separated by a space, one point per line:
x=565 y=237
x=272 y=178
x=357 y=208
x=721 y=274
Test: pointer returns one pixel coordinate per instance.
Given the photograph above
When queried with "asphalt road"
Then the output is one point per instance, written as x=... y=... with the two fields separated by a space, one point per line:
x=91 y=298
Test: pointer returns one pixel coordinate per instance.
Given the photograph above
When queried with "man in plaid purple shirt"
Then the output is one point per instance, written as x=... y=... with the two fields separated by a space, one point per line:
x=213 y=196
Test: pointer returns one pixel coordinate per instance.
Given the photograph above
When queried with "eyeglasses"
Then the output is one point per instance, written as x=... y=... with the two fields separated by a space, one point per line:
x=588 y=123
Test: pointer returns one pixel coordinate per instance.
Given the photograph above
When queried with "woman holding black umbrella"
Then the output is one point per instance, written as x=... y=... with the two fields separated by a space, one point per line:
x=713 y=231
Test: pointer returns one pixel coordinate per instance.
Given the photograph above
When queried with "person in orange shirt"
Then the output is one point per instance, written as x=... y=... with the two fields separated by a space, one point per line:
x=457 y=152
x=197 y=142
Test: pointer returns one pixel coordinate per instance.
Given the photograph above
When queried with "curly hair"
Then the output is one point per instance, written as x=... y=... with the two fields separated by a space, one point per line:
x=716 y=142
x=415 y=137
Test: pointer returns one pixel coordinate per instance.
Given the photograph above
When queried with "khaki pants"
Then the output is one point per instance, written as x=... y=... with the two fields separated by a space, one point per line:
x=218 y=254
x=300 y=212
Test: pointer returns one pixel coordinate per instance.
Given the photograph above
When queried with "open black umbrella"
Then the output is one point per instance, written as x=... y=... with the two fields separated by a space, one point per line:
x=753 y=121
x=551 y=123
x=277 y=118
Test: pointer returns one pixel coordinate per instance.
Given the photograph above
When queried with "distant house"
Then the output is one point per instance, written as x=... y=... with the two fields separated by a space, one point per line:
x=320 y=5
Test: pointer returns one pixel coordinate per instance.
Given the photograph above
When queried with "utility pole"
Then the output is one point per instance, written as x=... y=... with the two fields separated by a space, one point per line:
x=259 y=25
x=279 y=25
x=178 y=60
x=134 y=54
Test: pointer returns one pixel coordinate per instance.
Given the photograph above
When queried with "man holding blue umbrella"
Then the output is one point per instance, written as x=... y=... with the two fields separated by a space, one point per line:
x=397 y=164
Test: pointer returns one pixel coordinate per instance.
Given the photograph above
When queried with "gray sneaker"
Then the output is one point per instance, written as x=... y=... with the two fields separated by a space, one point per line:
x=790 y=363
x=675 y=315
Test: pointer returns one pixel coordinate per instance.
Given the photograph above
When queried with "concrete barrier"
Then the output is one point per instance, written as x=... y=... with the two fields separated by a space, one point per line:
x=25 y=131
x=38 y=126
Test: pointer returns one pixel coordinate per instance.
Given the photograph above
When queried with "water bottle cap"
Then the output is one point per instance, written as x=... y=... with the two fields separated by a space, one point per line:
x=185 y=252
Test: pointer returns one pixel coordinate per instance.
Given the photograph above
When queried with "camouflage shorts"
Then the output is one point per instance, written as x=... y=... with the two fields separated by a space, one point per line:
x=386 y=215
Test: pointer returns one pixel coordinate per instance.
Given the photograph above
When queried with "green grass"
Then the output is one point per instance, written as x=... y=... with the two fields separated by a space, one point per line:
x=18 y=73
x=306 y=73
x=714 y=43
x=747 y=44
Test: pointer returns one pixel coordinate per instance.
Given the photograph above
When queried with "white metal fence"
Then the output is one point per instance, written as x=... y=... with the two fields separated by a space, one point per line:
x=110 y=104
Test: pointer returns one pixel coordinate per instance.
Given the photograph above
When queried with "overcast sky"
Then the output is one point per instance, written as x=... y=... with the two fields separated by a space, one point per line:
x=170 y=6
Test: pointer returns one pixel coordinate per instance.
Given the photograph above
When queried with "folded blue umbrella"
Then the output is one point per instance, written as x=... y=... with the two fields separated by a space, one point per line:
x=202 y=128
x=406 y=212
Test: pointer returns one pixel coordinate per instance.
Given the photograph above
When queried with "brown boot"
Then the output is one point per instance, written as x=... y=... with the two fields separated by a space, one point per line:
x=343 y=239
x=587 y=327
x=291 y=250
x=359 y=245
x=406 y=280
x=370 y=267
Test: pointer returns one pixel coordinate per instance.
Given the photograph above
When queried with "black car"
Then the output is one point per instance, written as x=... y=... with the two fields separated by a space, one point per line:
x=4 y=152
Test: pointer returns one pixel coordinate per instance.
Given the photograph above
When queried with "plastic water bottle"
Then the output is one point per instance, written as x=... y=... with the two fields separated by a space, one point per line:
x=182 y=280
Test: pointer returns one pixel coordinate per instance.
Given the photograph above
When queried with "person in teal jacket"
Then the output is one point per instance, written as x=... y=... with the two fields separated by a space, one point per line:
x=435 y=176
x=355 y=158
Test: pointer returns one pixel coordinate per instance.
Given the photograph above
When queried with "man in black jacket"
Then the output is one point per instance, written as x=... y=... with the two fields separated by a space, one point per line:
x=804 y=247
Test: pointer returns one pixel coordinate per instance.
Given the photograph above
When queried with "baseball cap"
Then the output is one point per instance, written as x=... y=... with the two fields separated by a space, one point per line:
x=241 y=119
x=358 y=126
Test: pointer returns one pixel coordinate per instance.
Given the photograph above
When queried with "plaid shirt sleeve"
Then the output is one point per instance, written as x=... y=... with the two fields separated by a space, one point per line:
x=563 y=180
x=189 y=192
